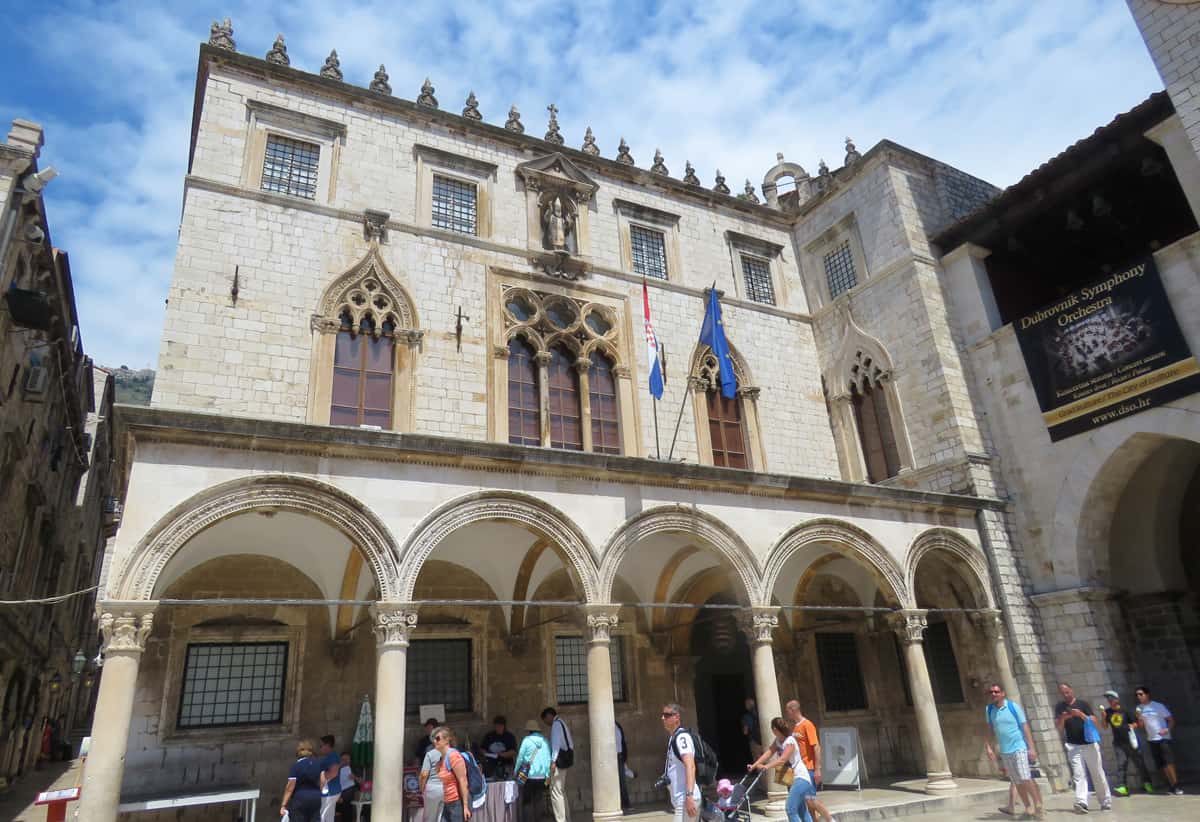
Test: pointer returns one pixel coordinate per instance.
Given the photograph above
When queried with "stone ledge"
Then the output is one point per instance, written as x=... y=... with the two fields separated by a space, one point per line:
x=140 y=424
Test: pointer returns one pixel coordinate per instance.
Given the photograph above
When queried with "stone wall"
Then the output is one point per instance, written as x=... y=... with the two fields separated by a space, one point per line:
x=1171 y=31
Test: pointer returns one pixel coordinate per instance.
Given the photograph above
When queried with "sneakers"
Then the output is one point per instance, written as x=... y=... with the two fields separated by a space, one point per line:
x=1121 y=791
x=1147 y=787
x=1080 y=807
x=1106 y=805
x=1178 y=791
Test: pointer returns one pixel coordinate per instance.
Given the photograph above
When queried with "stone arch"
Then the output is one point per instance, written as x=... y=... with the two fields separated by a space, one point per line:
x=353 y=290
x=1091 y=489
x=521 y=509
x=777 y=172
x=530 y=337
x=683 y=519
x=861 y=360
x=970 y=559
x=284 y=492
x=704 y=363
x=846 y=539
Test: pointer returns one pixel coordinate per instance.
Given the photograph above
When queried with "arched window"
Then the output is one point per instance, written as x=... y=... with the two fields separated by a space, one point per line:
x=875 y=431
x=363 y=365
x=725 y=430
x=566 y=410
x=602 y=399
x=524 y=403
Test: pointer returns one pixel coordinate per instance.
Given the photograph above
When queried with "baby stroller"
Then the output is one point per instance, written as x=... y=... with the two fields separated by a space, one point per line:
x=733 y=806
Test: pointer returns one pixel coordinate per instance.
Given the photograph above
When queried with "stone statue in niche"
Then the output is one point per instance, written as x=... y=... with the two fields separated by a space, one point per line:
x=558 y=223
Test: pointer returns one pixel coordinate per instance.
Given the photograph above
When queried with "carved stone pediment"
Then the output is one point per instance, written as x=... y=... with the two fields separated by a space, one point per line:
x=555 y=172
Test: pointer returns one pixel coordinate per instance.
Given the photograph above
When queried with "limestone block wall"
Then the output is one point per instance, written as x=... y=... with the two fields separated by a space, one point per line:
x=1170 y=30
x=252 y=357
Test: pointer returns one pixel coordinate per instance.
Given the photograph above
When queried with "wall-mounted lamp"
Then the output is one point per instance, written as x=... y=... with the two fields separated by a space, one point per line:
x=78 y=663
x=55 y=683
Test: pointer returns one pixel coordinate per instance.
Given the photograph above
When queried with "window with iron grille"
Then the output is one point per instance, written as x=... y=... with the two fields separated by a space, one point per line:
x=942 y=664
x=648 y=248
x=290 y=167
x=439 y=673
x=841 y=676
x=839 y=269
x=233 y=684
x=757 y=273
x=453 y=205
x=570 y=668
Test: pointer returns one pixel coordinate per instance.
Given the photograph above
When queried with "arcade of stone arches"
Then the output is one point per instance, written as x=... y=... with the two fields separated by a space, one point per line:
x=510 y=593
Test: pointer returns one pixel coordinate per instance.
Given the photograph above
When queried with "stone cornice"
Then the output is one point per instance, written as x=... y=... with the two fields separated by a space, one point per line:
x=136 y=424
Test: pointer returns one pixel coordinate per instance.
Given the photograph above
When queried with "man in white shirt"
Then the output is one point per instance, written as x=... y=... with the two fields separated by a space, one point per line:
x=562 y=756
x=1158 y=723
x=681 y=765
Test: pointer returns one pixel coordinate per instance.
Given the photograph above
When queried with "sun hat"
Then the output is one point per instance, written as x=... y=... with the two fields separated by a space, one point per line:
x=1112 y=694
x=724 y=787
x=532 y=726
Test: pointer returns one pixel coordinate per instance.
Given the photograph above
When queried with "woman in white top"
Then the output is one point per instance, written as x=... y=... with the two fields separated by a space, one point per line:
x=786 y=750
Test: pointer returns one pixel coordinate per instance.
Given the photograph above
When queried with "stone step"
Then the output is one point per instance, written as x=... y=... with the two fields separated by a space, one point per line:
x=921 y=805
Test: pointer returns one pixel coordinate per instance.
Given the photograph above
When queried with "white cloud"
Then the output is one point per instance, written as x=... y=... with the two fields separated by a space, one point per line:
x=993 y=88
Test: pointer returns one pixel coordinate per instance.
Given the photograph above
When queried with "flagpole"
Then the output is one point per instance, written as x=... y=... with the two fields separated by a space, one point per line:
x=678 y=419
x=657 y=441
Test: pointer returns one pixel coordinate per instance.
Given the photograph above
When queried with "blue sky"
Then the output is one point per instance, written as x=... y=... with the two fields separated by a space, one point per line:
x=994 y=88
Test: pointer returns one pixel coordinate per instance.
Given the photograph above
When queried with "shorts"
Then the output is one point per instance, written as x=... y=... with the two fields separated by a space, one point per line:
x=1162 y=753
x=1017 y=766
x=812 y=777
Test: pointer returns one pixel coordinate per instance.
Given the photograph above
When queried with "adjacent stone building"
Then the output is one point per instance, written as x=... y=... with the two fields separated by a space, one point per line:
x=55 y=467
x=401 y=447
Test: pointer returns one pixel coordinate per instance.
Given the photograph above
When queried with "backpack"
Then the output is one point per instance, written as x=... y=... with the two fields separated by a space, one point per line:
x=706 y=758
x=476 y=784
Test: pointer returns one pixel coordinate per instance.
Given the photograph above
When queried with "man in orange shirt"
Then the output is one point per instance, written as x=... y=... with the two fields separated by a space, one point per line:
x=805 y=733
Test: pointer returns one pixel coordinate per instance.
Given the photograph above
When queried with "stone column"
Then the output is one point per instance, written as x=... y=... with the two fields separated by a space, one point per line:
x=585 y=402
x=910 y=627
x=394 y=622
x=543 y=368
x=991 y=623
x=602 y=721
x=124 y=627
x=764 y=621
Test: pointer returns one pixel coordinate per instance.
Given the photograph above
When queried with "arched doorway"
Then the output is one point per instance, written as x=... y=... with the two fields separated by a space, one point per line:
x=723 y=680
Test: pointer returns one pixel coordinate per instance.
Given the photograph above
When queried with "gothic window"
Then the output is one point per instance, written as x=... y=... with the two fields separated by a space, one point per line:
x=290 y=167
x=725 y=430
x=757 y=274
x=566 y=412
x=841 y=676
x=362 y=373
x=563 y=358
x=524 y=404
x=875 y=432
x=602 y=402
x=454 y=206
x=839 y=269
x=649 y=251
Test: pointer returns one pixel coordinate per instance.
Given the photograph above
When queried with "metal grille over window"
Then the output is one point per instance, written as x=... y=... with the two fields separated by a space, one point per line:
x=453 y=205
x=841 y=676
x=290 y=167
x=439 y=673
x=839 y=269
x=233 y=684
x=943 y=667
x=570 y=667
x=757 y=273
x=649 y=251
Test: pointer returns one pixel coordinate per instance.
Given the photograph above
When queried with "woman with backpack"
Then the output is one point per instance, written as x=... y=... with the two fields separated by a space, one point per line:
x=452 y=770
x=532 y=769
x=786 y=751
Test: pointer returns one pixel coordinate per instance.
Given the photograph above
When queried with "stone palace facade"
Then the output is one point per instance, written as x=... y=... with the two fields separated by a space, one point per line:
x=403 y=376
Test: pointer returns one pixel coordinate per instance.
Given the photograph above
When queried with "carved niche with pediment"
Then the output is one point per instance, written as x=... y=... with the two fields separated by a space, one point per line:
x=558 y=194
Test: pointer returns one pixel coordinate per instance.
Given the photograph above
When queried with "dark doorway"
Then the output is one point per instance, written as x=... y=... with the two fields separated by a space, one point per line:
x=723 y=682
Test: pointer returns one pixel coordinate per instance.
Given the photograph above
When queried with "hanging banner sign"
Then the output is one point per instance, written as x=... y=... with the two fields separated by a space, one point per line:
x=1105 y=351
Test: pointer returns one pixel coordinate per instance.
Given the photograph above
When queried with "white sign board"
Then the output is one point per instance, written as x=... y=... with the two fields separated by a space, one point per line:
x=437 y=712
x=841 y=762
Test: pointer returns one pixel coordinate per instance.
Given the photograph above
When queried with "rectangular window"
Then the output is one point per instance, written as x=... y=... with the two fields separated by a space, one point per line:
x=943 y=667
x=841 y=676
x=453 y=205
x=290 y=167
x=233 y=684
x=839 y=269
x=602 y=396
x=439 y=673
x=570 y=669
x=757 y=273
x=648 y=249
x=725 y=430
x=362 y=379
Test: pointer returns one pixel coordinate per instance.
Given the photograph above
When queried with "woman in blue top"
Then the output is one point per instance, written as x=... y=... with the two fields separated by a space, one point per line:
x=534 y=757
x=302 y=796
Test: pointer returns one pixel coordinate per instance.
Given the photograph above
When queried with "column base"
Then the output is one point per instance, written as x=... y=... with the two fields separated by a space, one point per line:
x=940 y=783
x=607 y=816
x=776 y=804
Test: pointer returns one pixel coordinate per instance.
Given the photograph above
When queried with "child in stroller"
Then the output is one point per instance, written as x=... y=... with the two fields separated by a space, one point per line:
x=733 y=800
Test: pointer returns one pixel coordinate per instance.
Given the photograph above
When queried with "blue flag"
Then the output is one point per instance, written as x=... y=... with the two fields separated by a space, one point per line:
x=712 y=334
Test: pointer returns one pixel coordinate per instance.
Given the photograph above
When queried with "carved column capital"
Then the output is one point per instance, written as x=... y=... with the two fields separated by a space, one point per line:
x=601 y=619
x=542 y=358
x=622 y=372
x=393 y=624
x=760 y=623
x=582 y=365
x=500 y=352
x=411 y=336
x=990 y=622
x=909 y=625
x=125 y=626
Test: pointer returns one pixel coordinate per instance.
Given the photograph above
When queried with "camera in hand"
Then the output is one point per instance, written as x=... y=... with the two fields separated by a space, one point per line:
x=662 y=782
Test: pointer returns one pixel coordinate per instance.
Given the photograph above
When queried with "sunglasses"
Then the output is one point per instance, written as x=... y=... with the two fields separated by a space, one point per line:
x=666 y=714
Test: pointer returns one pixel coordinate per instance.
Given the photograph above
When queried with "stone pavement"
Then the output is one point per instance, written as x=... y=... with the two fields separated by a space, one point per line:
x=1138 y=808
x=17 y=803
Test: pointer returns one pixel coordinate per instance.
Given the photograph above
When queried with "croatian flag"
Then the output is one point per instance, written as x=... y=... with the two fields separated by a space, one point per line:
x=652 y=360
